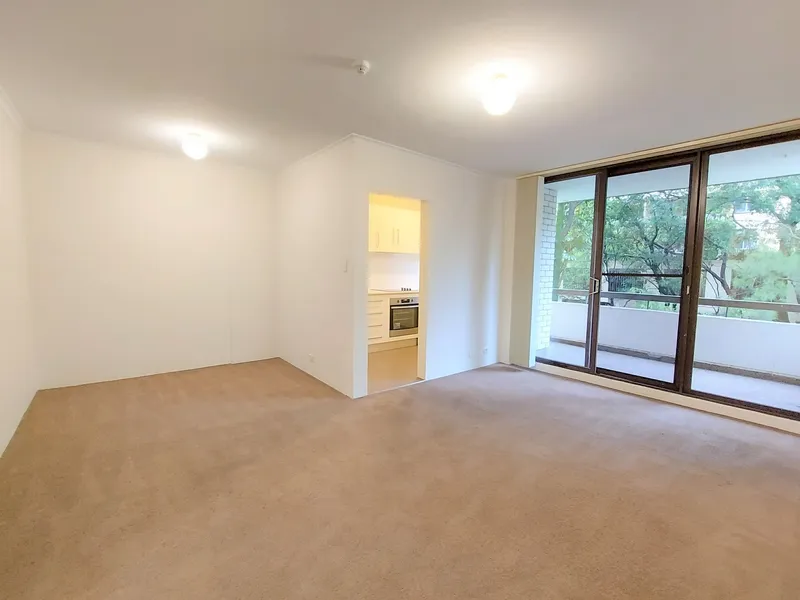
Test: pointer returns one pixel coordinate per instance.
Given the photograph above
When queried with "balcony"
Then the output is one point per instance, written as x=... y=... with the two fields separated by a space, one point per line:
x=745 y=359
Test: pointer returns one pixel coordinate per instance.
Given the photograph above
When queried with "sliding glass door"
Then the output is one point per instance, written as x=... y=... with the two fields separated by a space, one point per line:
x=747 y=317
x=611 y=272
x=681 y=272
x=641 y=272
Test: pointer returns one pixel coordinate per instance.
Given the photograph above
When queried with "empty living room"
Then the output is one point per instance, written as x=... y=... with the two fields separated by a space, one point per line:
x=568 y=233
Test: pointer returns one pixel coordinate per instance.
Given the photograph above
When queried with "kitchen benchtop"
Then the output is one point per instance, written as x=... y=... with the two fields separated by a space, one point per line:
x=392 y=293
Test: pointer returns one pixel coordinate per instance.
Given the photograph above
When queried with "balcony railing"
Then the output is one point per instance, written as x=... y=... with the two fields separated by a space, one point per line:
x=719 y=302
x=760 y=345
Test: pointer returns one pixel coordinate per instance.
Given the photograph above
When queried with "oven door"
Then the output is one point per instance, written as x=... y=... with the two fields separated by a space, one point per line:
x=403 y=320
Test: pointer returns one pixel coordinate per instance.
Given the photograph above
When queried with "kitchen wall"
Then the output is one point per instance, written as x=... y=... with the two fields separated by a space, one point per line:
x=145 y=263
x=315 y=255
x=389 y=271
x=323 y=269
x=18 y=373
x=462 y=247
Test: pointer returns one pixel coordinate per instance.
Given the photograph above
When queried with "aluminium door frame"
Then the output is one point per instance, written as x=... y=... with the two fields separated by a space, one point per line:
x=593 y=312
x=691 y=160
x=598 y=174
x=690 y=292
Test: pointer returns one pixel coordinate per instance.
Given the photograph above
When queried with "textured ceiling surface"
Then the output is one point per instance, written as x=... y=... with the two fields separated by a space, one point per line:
x=268 y=81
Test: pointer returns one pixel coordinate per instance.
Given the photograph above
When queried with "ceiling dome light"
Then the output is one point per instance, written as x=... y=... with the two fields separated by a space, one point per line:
x=500 y=95
x=194 y=146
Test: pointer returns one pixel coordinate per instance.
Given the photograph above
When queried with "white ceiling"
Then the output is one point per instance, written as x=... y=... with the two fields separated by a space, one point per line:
x=269 y=80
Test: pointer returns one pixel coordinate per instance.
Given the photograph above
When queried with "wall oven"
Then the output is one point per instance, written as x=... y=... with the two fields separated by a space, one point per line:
x=403 y=316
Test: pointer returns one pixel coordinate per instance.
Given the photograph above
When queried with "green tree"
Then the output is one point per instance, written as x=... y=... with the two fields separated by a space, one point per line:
x=573 y=253
x=755 y=231
x=645 y=233
x=751 y=246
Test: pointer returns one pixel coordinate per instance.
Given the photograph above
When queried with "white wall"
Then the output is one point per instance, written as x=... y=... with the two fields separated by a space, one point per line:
x=462 y=249
x=518 y=260
x=314 y=265
x=323 y=213
x=390 y=271
x=569 y=321
x=766 y=346
x=145 y=263
x=18 y=373
x=506 y=290
x=656 y=330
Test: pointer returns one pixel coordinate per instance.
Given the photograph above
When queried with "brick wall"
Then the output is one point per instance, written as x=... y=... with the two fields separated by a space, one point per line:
x=546 y=237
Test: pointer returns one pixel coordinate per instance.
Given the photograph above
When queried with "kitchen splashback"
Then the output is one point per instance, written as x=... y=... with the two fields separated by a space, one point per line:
x=393 y=271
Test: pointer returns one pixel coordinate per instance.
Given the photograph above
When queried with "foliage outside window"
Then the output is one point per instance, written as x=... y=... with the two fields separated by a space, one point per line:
x=751 y=246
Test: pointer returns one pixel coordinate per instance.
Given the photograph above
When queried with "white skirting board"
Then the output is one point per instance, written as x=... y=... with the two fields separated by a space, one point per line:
x=741 y=414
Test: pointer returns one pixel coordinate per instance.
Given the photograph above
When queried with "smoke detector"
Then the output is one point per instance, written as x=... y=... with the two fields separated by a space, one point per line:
x=361 y=67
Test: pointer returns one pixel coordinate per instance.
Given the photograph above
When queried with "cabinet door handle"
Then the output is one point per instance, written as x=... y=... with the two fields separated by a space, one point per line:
x=378 y=245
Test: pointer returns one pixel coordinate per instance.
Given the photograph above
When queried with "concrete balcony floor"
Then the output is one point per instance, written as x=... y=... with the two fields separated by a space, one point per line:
x=760 y=391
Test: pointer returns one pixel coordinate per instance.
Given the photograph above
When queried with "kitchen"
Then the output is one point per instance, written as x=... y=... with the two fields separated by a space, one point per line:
x=393 y=302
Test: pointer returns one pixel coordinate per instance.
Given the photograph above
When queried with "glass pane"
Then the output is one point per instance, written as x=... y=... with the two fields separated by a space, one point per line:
x=404 y=318
x=565 y=236
x=748 y=325
x=643 y=250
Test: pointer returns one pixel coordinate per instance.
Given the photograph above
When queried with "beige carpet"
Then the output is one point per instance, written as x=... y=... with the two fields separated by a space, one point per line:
x=255 y=481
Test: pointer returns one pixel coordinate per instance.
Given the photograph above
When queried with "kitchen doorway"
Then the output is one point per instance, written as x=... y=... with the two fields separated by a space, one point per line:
x=395 y=293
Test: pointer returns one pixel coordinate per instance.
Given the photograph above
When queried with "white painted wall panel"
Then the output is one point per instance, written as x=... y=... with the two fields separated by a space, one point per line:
x=19 y=378
x=463 y=218
x=314 y=265
x=145 y=263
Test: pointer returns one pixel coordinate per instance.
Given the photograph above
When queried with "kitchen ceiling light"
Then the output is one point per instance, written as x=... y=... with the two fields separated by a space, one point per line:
x=500 y=95
x=194 y=146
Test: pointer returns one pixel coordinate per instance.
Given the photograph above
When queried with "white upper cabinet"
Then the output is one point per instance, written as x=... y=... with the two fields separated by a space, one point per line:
x=408 y=233
x=394 y=224
x=381 y=228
